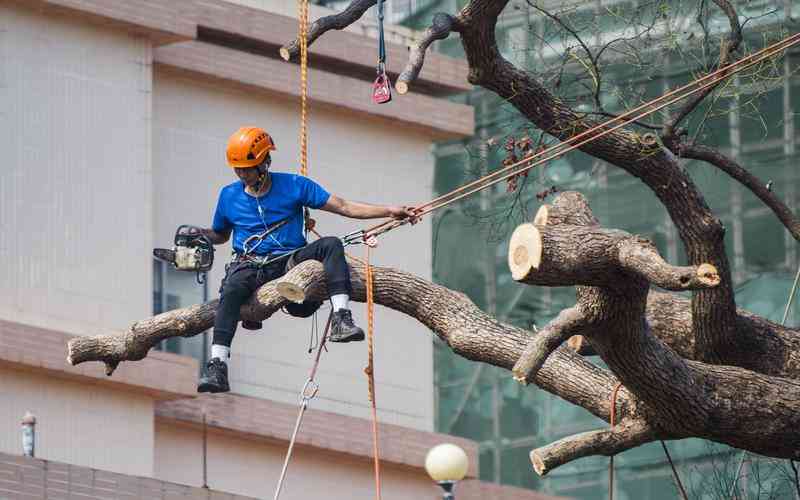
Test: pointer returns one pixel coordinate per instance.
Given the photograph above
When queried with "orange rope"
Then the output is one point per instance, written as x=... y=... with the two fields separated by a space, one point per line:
x=303 y=18
x=371 y=374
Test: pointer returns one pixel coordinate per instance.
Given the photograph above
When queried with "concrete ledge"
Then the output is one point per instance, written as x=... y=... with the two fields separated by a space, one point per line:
x=274 y=422
x=160 y=375
x=24 y=477
x=438 y=118
x=162 y=22
x=340 y=52
x=31 y=478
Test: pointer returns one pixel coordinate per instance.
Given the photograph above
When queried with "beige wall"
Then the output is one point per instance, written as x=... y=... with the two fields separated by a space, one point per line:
x=351 y=156
x=75 y=188
x=78 y=423
x=252 y=468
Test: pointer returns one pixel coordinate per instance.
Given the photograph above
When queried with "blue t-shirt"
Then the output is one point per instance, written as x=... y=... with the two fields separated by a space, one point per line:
x=286 y=198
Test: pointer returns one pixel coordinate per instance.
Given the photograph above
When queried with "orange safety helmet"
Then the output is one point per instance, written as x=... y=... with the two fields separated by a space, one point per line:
x=248 y=147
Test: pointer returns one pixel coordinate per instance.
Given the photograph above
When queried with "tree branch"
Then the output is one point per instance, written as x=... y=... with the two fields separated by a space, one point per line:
x=353 y=12
x=469 y=331
x=545 y=342
x=440 y=28
x=750 y=181
x=607 y=442
x=641 y=257
x=727 y=48
x=564 y=255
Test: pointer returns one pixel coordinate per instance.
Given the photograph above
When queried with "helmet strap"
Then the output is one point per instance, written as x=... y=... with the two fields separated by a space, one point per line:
x=262 y=172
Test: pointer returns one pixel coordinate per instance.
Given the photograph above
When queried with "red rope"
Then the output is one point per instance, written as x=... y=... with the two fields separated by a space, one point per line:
x=613 y=422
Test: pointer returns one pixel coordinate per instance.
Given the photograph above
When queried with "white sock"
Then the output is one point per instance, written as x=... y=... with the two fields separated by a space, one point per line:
x=222 y=352
x=340 y=301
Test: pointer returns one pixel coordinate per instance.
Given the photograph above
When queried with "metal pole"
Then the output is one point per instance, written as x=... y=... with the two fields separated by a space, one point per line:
x=205 y=355
x=205 y=451
x=448 y=487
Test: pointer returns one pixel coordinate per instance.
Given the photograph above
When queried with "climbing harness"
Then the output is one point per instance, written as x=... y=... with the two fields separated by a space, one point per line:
x=252 y=242
x=309 y=391
x=596 y=132
x=370 y=372
x=382 y=88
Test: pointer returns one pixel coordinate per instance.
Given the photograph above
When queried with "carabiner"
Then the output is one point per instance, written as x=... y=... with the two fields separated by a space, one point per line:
x=353 y=238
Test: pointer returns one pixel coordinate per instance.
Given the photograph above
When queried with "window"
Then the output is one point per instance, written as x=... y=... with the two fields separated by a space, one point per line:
x=173 y=289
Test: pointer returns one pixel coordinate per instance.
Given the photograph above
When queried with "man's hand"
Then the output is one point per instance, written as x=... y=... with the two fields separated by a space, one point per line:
x=213 y=236
x=403 y=212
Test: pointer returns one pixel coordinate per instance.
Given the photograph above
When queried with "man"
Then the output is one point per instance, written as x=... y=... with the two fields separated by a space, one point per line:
x=265 y=212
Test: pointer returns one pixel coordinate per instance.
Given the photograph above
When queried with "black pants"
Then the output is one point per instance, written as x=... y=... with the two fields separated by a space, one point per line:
x=242 y=279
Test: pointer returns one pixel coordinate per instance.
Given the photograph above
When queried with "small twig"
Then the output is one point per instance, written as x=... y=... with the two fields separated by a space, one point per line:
x=338 y=21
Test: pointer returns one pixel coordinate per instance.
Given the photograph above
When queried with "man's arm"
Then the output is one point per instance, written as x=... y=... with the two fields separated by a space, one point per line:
x=357 y=210
x=215 y=237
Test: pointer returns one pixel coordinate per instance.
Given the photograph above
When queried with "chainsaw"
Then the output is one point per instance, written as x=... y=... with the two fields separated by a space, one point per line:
x=193 y=251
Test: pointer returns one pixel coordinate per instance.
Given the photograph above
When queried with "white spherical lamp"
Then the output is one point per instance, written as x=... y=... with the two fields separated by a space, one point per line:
x=446 y=464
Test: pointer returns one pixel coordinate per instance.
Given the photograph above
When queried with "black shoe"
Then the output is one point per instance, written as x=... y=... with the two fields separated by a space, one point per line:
x=343 y=329
x=252 y=325
x=215 y=377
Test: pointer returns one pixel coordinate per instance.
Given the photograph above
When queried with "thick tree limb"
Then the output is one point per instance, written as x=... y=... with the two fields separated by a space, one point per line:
x=750 y=181
x=564 y=255
x=607 y=442
x=449 y=314
x=773 y=349
x=353 y=12
x=440 y=28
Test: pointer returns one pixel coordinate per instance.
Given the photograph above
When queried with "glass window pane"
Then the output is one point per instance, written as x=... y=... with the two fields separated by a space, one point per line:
x=486 y=464
x=516 y=468
x=761 y=115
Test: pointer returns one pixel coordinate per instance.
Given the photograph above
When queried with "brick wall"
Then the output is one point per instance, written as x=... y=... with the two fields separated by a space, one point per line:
x=23 y=478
